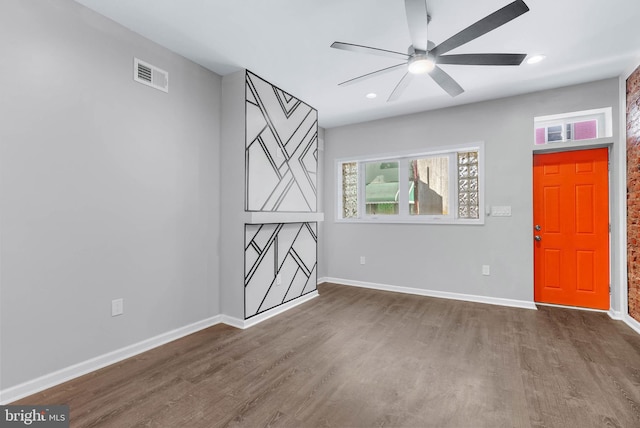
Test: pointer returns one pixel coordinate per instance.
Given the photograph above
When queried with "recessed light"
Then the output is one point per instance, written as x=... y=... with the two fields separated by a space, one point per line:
x=533 y=59
x=371 y=95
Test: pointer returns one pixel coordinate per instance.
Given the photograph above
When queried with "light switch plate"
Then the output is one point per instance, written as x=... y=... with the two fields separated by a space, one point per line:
x=501 y=211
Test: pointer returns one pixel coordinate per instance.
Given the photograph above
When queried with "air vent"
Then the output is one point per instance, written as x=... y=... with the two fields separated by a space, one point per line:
x=150 y=75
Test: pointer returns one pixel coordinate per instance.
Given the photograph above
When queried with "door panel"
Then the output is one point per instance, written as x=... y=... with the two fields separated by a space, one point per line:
x=552 y=209
x=552 y=271
x=571 y=250
x=585 y=209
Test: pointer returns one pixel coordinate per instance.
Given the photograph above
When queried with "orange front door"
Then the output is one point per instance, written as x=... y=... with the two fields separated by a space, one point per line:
x=571 y=228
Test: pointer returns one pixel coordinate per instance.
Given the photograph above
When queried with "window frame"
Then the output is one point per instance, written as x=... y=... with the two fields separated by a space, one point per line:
x=403 y=159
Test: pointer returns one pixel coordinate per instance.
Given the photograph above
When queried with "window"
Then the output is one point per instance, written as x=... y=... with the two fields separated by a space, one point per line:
x=583 y=130
x=440 y=186
x=429 y=185
x=381 y=188
x=349 y=189
x=468 y=176
x=574 y=126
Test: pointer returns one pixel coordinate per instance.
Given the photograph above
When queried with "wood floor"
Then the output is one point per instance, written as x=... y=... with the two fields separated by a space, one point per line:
x=363 y=358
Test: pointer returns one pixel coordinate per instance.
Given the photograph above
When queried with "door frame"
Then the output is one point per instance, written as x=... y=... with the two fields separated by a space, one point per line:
x=614 y=289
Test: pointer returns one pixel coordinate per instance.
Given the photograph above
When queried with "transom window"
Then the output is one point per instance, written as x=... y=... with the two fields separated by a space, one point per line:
x=573 y=126
x=439 y=186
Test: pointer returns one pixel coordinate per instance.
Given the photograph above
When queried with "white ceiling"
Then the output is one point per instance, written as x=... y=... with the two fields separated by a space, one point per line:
x=287 y=43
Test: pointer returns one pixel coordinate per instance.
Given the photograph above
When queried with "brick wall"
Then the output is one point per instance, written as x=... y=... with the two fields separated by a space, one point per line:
x=633 y=192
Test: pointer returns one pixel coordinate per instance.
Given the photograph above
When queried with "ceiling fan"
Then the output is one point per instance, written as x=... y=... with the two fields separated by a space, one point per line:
x=423 y=56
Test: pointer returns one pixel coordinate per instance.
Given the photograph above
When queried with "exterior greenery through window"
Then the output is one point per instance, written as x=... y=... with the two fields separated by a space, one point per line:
x=440 y=186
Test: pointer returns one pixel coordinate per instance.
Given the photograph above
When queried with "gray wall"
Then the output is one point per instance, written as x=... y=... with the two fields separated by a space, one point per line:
x=449 y=257
x=232 y=193
x=110 y=189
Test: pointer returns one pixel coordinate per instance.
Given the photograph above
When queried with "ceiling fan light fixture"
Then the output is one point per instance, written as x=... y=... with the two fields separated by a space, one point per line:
x=534 y=59
x=421 y=64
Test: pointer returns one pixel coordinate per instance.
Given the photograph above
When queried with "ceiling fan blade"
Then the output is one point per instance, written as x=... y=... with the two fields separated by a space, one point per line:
x=373 y=74
x=369 y=50
x=446 y=82
x=417 y=19
x=400 y=87
x=486 y=24
x=482 y=59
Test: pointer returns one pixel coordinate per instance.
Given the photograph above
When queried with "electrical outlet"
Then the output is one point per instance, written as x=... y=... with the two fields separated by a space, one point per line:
x=117 y=307
x=278 y=279
x=362 y=260
x=486 y=270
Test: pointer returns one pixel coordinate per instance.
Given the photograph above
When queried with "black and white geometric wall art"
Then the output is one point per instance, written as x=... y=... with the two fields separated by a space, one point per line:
x=281 y=150
x=280 y=264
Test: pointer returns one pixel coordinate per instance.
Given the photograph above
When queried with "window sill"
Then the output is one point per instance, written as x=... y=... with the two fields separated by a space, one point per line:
x=464 y=222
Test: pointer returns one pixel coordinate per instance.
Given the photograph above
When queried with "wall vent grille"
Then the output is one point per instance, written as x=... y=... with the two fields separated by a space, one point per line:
x=150 y=75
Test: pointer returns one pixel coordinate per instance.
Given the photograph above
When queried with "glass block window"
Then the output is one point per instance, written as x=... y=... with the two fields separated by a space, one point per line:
x=350 y=190
x=439 y=186
x=468 y=200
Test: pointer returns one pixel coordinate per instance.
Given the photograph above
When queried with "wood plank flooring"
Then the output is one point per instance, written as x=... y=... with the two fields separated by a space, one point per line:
x=364 y=358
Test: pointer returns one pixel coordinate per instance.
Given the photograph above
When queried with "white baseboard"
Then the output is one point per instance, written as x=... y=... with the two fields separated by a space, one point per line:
x=635 y=325
x=52 y=379
x=238 y=323
x=434 y=293
x=615 y=315
x=233 y=321
x=63 y=375
x=322 y=279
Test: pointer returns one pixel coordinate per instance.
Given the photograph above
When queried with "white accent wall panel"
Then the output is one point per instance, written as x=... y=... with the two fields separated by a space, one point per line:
x=287 y=250
x=281 y=152
x=281 y=165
